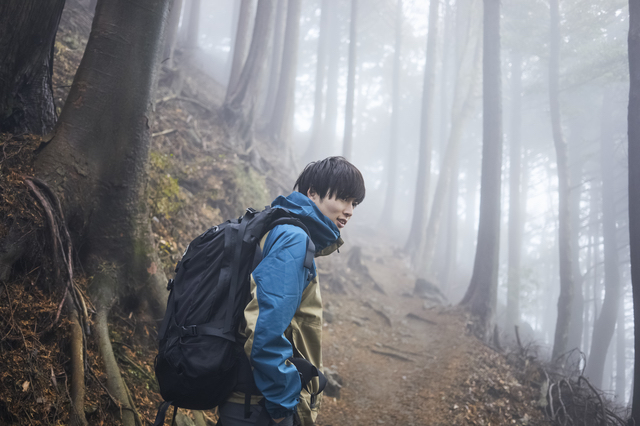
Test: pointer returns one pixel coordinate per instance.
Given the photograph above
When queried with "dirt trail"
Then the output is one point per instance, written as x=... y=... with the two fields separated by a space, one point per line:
x=404 y=364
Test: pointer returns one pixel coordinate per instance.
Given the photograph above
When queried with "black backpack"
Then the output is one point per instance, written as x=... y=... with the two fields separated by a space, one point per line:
x=200 y=352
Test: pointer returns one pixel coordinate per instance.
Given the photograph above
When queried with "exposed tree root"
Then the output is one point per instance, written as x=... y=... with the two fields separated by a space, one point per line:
x=115 y=384
x=73 y=297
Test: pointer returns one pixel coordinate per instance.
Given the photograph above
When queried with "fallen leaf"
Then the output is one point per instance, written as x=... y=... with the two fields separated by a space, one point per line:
x=25 y=386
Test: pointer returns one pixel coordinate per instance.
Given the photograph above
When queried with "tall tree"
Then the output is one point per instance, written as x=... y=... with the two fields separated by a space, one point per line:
x=318 y=97
x=96 y=163
x=515 y=190
x=347 y=141
x=241 y=102
x=391 y=165
x=482 y=293
x=329 y=125
x=561 y=337
x=468 y=51
x=193 y=25
x=275 y=60
x=241 y=43
x=282 y=119
x=28 y=32
x=423 y=181
x=604 y=326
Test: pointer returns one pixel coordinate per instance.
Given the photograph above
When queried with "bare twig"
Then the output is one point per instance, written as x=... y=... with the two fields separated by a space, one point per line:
x=164 y=132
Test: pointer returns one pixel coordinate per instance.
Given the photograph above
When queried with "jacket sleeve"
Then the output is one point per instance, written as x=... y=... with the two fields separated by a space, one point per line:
x=279 y=280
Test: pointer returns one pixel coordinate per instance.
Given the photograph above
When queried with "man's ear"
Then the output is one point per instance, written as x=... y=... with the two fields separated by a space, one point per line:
x=311 y=193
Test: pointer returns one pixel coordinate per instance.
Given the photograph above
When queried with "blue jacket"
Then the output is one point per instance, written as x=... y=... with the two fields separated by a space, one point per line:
x=284 y=306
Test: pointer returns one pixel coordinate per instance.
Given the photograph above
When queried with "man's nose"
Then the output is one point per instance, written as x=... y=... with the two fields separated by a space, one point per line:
x=348 y=211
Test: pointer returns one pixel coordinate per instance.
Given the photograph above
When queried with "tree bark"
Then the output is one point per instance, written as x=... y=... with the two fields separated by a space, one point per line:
x=97 y=160
x=241 y=44
x=561 y=337
x=604 y=326
x=347 y=140
x=423 y=180
x=482 y=293
x=282 y=121
x=28 y=32
x=391 y=165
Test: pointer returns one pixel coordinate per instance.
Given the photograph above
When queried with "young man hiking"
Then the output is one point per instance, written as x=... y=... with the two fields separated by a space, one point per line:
x=284 y=316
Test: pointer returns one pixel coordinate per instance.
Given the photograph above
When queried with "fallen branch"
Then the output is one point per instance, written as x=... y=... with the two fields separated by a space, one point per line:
x=392 y=355
x=182 y=98
x=419 y=318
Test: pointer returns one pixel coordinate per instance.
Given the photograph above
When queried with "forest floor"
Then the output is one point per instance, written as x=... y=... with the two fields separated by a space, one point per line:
x=401 y=359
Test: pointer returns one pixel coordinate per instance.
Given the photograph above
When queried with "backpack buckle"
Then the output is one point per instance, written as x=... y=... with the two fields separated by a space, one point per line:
x=251 y=210
x=189 y=330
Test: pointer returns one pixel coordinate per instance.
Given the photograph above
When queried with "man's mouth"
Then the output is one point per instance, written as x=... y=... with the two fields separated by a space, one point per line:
x=341 y=223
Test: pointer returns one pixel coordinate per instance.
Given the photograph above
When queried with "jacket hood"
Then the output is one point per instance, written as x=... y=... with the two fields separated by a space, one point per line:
x=324 y=233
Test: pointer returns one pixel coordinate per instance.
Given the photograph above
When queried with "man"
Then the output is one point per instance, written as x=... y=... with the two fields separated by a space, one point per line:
x=284 y=316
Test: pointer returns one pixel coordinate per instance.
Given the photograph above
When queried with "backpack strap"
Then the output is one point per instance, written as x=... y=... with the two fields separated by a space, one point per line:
x=162 y=413
x=307 y=372
x=311 y=248
x=235 y=269
x=169 y=312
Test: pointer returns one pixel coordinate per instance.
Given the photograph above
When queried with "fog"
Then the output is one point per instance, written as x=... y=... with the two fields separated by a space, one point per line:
x=593 y=92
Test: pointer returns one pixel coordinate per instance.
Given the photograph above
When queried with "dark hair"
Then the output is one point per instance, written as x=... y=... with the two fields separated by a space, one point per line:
x=332 y=176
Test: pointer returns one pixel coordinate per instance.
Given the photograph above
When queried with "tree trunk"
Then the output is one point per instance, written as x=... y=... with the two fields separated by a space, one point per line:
x=193 y=28
x=391 y=165
x=634 y=189
x=241 y=44
x=468 y=52
x=621 y=358
x=515 y=202
x=574 y=343
x=605 y=324
x=482 y=293
x=451 y=236
x=333 y=72
x=282 y=121
x=564 y=215
x=423 y=181
x=276 y=59
x=97 y=163
x=171 y=33
x=314 y=149
x=28 y=32
x=347 y=141
x=240 y=104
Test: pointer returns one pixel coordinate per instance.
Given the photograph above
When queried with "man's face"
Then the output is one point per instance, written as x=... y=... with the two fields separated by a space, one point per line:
x=339 y=211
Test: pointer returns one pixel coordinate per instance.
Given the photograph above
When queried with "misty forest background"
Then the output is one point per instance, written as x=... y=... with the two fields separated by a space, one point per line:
x=397 y=88
x=493 y=139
